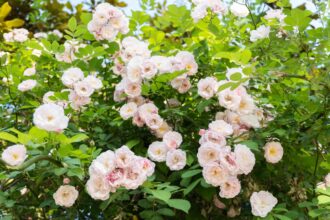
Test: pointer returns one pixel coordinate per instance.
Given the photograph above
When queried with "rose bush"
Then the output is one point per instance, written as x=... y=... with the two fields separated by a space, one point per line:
x=203 y=111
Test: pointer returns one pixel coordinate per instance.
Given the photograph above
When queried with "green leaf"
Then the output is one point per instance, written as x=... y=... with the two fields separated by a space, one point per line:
x=8 y=137
x=78 y=138
x=240 y=57
x=4 y=11
x=166 y=212
x=76 y=171
x=299 y=18
x=204 y=103
x=60 y=171
x=130 y=144
x=112 y=47
x=191 y=187
x=166 y=77
x=180 y=204
x=191 y=173
x=161 y=194
x=72 y=24
x=281 y=217
x=317 y=212
x=322 y=199
x=86 y=17
x=236 y=77
x=251 y=144
x=14 y=23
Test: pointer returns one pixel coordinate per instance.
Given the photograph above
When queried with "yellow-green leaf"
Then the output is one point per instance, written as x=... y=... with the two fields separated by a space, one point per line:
x=4 y=11
x=14 y=23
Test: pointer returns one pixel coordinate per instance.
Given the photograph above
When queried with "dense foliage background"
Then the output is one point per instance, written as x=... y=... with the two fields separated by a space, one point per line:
x=288 y=77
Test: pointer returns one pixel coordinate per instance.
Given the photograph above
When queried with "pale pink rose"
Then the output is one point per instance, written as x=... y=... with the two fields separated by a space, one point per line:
x=154 y=121
x=246 y=105
x=215 y=174
x=228 y=160
x=172 y=139
x=262 y=203
x=162 y=130
x=27 y=85
x=230 y=188
x=176 y=159
x=229 y=99
x=148 y=69
x=116 y=177
x=137 y=120
x=207 y=87
x=213 y=137
x=157 y=151
x=221 y=127
x=123 y=156
x=208 y=153
x=273 y=152
x=133 y=90
x=128 y=110
x=188 y=62
x=244 y=158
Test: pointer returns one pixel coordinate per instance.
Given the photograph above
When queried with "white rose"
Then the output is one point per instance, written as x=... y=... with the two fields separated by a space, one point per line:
x=262 y=203
x=50 y=117
x=103 y=164
x=244 y=158
x=163 y=64
x=246 y=105
x=27 y=85
x=134 y=69
x=221 y=127
x=30 y=71
x=93 y=81
x=46 y=98
x=157 y=151
x=239 y=10
x=275 y=14
x=83 y=88
x=78 y=101
x=14 y=155
x=65 y=196
x=273 y=152
x=260 y=33
x=176 y=159
x=71 y=76
x=327 y=180
x=199 y=12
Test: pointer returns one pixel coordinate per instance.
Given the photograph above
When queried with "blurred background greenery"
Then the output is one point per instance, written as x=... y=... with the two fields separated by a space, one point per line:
x=44 y=15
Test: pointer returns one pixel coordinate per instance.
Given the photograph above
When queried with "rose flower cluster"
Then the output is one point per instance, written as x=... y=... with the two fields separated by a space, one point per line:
x=107 y=22
x=166 y=151
x=121 y=168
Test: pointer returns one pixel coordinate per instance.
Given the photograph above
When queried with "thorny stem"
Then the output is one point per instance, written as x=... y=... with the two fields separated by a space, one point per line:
x=34 y=160
x=316 y=164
